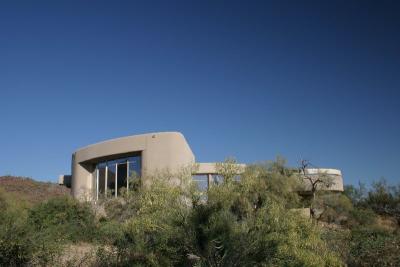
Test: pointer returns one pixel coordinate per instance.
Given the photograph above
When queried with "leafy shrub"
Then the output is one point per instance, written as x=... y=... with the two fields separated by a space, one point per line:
x=110 y=232
x=64 y=218
x=338 y=241
x=382 y=198
x=15 y=243
x=362 y=216
x=243 y=223
x=335 y=207
x=20 y=244
x=374 y=247
x=115 y=208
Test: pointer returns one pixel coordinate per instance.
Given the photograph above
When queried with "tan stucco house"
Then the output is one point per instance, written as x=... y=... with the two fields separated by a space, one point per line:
x=102 y=169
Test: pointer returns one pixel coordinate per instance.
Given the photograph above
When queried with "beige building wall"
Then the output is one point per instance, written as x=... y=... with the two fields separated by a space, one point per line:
x=167 y=151
x=333 y=176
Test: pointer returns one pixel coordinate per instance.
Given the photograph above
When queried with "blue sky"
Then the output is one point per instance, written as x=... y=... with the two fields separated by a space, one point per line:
x=249 y=79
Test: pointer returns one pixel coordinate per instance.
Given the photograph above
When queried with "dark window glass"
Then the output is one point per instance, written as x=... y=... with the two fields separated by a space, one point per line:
x=122 y=166
x=135 y=166
x=201 y=181
x=122 y=176
x=102 y=179
x=111 y=177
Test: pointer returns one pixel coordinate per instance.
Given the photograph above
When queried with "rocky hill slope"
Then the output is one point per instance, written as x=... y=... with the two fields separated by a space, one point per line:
x=31 y=191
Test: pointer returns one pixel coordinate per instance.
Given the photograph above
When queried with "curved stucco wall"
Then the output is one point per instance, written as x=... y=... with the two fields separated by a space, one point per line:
x=333 y=175
x=160 y=151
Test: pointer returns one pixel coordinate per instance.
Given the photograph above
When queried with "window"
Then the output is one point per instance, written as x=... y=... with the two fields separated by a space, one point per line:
x=135 y=166
x=218 y=179
x=202 y=181
x=101 y=178
x=111 y=178
x=114 y=175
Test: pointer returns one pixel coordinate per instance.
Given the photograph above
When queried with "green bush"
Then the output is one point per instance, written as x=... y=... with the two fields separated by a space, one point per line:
x=374 y=247
x=20 y=243
x=64 y=218
x=110 y=232
x=338 y=241
x=362 y=216
x=382 y=198
x=243 y=223
x=15 y=242
x=246 y=224
x=334 y=207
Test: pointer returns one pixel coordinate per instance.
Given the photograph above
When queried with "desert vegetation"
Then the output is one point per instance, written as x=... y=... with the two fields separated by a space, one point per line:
x=252 y=221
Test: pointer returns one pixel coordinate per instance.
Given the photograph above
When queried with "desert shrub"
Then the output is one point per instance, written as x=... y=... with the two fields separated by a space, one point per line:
x=362 y=216
x=110 y=232
x=155 y=235
x=381 y=198
x=243 y=223
x=115 y=208
x=355 y=194
x=384 y=199
x=371 y=246
x=333 y=207
x=275 y=180
x=20 y=244
x=15 y=243
x=64 y=218
x=338 y=241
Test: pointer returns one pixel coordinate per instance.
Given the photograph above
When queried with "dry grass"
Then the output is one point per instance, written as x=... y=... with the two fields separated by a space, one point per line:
x=31 y=191
x=82 y=254
x=387 y=223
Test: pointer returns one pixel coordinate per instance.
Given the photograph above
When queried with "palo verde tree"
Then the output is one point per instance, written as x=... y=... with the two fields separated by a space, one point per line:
x=243 y=222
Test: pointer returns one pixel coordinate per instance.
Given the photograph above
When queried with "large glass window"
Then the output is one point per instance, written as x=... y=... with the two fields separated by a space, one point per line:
x=201 y=180
x=101 y=179
x=135 y=166
x=114 y=175
x=111 y=178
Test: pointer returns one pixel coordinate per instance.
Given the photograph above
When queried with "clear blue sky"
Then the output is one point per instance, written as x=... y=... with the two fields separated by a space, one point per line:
x=250 y=79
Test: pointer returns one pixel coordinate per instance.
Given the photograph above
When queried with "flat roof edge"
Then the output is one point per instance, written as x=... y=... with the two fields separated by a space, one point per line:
x=125 y=137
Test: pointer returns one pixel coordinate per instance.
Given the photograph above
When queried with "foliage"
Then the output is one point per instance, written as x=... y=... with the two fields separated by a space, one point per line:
x=356 y=195
x=275 y=180
x=365 y=240
x=338 y=241
x=229 y=169
x=333 y=207
x=374 y=247
x=65 y=218
x=152 y=230
x=382 y=198
x=246 y=221
x=110 y=232
x=243 y=223
x=20 y=244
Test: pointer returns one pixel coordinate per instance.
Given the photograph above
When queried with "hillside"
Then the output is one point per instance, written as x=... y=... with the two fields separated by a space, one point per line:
x=32 y=191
